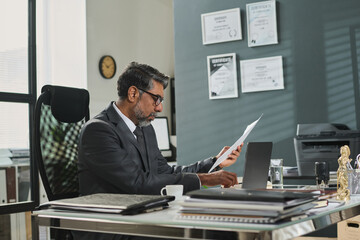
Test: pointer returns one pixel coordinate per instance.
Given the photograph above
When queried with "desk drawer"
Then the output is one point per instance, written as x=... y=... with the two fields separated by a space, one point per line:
x=349 y=229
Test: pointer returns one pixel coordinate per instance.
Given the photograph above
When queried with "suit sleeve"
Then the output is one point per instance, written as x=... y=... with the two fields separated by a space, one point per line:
x=115 y=162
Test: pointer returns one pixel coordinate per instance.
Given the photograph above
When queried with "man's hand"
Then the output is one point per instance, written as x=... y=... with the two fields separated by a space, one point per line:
x=232 y=157
x=221 y=177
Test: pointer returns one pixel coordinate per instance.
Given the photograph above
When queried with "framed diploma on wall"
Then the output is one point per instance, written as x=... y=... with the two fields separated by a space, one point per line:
x=261 y=23
x=221 y=26
x=262 y=74
x=222 y=76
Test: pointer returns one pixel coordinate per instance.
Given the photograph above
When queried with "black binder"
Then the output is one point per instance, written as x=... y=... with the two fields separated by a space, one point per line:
x=125 y=204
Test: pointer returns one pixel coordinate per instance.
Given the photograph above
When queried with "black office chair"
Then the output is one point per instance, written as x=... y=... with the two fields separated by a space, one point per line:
x=60 y=113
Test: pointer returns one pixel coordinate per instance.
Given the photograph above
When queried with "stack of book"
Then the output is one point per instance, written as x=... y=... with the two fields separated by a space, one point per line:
x=245 y=206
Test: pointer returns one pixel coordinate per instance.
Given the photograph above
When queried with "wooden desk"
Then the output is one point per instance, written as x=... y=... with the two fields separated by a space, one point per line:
x=164 y=224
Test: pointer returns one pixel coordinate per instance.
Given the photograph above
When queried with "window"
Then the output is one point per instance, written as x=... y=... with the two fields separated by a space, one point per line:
x=14 y=46
x=17 y=101
x=60 y=41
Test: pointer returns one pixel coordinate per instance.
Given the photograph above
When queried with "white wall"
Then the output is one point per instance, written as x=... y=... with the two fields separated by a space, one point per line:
x=128 y=30
x=61 y=43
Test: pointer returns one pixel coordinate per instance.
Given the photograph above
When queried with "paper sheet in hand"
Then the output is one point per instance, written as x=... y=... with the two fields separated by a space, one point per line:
x=248 y=129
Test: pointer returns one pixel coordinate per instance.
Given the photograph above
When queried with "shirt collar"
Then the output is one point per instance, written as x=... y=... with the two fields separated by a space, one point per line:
x=127 y=121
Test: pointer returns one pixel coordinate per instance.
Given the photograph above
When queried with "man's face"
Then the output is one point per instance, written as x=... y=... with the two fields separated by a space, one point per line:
x=145 y=109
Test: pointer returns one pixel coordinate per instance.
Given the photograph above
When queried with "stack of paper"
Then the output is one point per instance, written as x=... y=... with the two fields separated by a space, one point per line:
x=20 y=155
x=12 y=156
x=243 y=205
x=290 y=171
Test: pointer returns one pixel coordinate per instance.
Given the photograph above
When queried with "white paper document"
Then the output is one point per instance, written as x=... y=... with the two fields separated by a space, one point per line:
x=248 y=129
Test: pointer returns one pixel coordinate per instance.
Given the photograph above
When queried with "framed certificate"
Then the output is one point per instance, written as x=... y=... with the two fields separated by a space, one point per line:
x=221 y=26
x=262 y=74
x=222 y=76
x=261 y=22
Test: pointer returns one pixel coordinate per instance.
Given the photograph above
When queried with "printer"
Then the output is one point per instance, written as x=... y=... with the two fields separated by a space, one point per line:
x=321 y=142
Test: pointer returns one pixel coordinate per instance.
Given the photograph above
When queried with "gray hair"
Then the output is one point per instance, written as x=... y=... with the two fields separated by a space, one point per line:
x=141 y=76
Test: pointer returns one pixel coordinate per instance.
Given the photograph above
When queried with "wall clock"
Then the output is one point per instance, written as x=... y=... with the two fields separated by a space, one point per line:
x=107 y=66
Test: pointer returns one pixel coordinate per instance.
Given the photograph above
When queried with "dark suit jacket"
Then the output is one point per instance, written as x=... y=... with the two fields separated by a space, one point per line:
x=110 y=161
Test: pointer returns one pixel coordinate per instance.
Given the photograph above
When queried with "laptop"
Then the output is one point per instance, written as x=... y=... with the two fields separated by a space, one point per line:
x=257 y=163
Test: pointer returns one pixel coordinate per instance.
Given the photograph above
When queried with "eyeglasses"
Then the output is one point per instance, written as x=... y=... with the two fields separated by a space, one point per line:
x=157 y=98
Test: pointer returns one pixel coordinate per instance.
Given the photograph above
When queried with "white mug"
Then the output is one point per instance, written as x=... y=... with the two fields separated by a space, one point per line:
x=173 y=190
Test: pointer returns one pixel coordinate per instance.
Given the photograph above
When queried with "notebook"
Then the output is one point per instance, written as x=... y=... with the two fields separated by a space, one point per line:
x=244 y=205
x=257 y=163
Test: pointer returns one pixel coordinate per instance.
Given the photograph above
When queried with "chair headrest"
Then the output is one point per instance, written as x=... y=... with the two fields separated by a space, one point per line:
x=67 y=104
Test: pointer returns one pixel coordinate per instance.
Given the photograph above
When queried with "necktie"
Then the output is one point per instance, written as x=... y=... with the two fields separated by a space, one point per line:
x=140 y=139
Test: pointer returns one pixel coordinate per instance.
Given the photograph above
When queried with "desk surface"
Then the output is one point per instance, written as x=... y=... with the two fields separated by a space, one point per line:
x=165 y=224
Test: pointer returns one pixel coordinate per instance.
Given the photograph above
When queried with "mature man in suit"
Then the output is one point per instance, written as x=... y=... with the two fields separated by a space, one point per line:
x=118 y=151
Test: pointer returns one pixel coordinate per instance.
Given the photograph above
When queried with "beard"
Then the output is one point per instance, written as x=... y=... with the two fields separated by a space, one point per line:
x=142 y=118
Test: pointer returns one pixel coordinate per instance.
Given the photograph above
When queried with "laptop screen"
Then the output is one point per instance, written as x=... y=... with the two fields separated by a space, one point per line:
x=161 y=128
x=257 y=162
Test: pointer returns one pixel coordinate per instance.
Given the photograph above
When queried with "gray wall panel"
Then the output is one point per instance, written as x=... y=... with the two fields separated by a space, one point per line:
x=318 y=42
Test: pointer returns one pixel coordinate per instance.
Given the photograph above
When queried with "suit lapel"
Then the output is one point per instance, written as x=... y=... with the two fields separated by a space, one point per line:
x=122 y=129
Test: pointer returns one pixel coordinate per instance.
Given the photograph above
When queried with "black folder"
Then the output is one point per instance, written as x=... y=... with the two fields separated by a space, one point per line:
x=125 y=204
x=285 y=198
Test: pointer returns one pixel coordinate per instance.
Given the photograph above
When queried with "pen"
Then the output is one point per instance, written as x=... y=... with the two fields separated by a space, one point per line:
x=357 y=162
